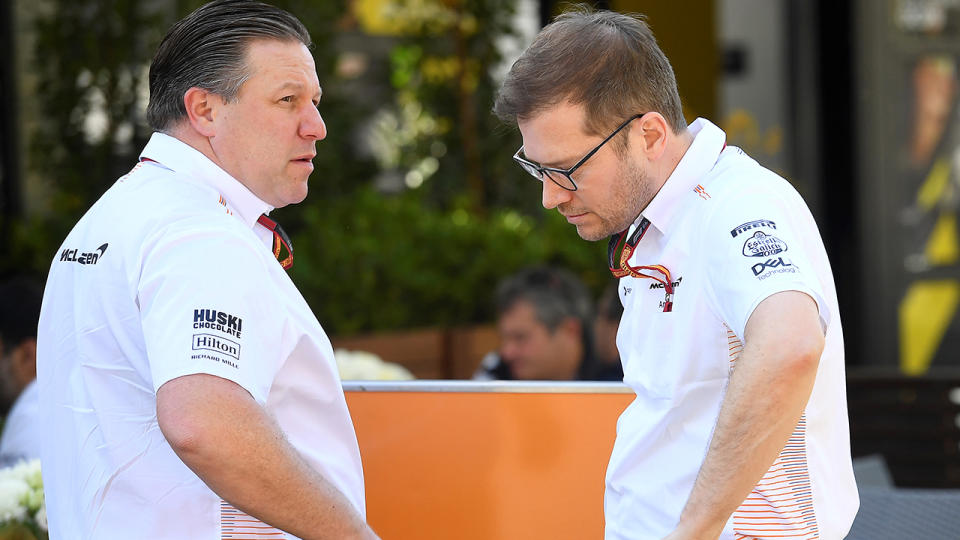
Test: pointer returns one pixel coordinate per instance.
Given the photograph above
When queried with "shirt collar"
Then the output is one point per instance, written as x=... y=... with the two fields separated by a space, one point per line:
x=708 y=142
x=181 y=158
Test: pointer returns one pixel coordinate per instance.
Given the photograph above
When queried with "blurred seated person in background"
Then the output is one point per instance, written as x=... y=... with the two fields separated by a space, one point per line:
x=544 y=320
x=19 y=313
x=605 y=326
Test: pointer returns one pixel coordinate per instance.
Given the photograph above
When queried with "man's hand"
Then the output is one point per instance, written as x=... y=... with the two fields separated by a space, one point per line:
x=226 y=438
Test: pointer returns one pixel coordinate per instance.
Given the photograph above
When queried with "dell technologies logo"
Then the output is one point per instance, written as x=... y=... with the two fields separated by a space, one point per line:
x=775 y=266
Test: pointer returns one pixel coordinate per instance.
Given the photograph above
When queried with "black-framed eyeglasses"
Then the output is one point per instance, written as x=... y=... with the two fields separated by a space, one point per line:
x=561 y=177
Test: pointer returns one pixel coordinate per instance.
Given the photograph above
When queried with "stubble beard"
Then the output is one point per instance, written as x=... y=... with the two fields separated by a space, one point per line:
x=631 y=195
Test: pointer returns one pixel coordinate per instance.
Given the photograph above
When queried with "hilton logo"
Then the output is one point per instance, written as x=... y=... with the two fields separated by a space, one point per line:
x=216 y=344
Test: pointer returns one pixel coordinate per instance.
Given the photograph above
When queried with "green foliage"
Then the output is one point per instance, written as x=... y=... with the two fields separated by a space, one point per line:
x=86 y=60
x=370 y=262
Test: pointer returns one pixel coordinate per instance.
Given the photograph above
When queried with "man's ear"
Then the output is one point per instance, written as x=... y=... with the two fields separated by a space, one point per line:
x=201 y=107
x=651 y=132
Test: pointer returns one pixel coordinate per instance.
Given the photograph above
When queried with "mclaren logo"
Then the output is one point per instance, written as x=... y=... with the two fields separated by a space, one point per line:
x=87 y=257
x=660 y=285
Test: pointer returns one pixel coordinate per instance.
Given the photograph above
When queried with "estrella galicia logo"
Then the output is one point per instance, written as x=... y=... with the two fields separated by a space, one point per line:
x=214 y=343
x=220 y=321
x=87 y=257
x=755 y=224
x=776 y=266
x=763 y=245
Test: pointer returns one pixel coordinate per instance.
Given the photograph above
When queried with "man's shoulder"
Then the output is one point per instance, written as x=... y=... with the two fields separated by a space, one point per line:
x=739 y=185
x=151 y=207
x=151 y=197
x=149 y=187
x=737 y=174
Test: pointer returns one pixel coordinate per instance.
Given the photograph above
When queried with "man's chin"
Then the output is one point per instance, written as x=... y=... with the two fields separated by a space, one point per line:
x=295 y=196
x=592 y=234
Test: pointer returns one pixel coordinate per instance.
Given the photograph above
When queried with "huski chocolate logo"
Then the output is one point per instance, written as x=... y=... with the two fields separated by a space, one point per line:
x=220 y=321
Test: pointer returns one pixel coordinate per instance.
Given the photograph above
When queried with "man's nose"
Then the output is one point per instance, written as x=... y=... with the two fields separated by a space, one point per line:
x=554 y=195
x=312 y=125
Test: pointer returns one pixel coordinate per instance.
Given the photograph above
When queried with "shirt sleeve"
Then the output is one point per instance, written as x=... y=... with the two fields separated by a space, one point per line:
x=205 y=308
x=754 y=246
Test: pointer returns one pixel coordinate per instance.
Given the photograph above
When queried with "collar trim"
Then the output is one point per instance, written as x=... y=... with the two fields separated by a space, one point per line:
x=175 y=155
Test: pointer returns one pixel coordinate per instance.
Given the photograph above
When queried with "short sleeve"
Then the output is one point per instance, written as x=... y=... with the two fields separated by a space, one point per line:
x=756 y=245
x=205 y=307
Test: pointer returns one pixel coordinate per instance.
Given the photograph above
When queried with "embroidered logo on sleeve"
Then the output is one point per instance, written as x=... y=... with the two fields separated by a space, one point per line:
x=769 y=267
x=87 y=257
x=217 y=346
x=214 y=343
x=220 y=321
x=750 y=225
x=763 y=245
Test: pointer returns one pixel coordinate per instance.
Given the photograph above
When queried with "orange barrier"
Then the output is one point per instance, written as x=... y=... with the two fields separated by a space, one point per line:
x=485 y=461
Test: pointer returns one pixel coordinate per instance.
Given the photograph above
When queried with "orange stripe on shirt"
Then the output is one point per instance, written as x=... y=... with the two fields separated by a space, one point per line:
x=237 y=525
x=781 y=504
x=735 y=346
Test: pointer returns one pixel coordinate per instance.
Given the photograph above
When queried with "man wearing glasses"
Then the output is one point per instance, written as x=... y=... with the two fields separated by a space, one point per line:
x=730 y=335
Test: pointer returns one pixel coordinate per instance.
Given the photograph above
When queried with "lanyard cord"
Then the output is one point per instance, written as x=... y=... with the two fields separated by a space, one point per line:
x=624 y=268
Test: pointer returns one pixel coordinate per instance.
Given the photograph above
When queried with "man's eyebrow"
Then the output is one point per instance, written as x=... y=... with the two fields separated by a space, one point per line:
x=295 y=85
x=556 y=163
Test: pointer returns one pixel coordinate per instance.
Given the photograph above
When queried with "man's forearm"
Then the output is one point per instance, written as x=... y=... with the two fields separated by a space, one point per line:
x=241 y=454
x=768 y=391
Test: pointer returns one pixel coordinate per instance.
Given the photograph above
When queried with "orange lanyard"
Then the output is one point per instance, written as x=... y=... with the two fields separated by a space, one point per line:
x=621 y=267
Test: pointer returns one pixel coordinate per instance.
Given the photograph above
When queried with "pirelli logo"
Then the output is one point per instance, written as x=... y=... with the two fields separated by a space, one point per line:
x=756 y=224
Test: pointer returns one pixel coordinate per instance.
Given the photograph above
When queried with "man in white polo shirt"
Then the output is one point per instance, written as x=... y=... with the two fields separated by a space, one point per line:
x=186 y=389
x=730 y=335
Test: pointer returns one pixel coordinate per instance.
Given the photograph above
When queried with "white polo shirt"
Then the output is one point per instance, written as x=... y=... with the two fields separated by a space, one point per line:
x=21 y=430
x=731 y=233
x=169 y=274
